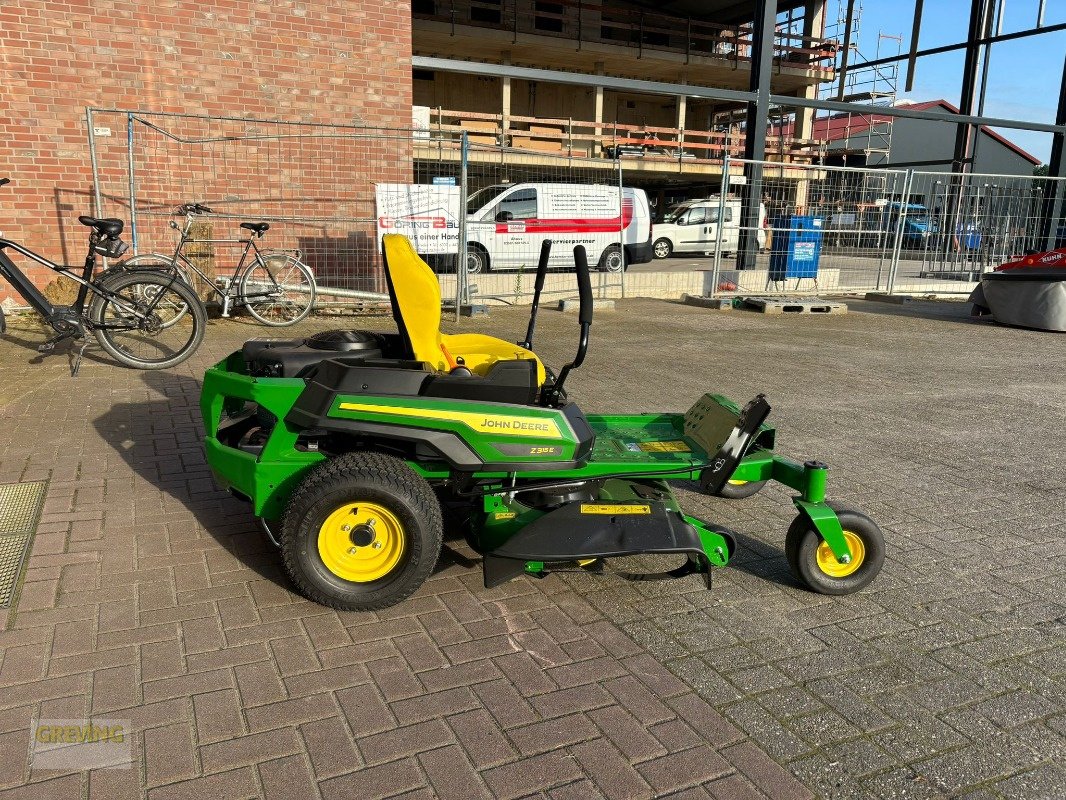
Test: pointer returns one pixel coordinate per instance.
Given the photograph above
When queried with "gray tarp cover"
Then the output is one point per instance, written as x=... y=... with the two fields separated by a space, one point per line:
x=1029 y=301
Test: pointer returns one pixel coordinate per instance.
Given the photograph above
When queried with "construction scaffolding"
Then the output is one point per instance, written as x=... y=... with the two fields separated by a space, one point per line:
x=866 y=137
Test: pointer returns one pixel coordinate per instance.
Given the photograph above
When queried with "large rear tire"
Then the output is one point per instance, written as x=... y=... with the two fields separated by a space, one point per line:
x=361 y=532
x=153 y=320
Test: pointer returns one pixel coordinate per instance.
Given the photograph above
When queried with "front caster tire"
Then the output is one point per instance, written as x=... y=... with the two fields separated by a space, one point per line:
x=813 y=563
x=361 y=532
x=738 y=490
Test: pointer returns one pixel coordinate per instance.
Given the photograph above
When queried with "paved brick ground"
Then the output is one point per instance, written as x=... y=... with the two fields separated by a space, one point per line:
x=151 y=596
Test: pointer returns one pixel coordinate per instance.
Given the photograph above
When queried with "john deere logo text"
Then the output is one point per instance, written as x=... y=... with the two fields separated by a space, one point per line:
x=500 y=424
x=483 y=423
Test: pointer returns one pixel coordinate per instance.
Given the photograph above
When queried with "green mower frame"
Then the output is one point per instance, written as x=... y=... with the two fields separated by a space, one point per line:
x=349 y=466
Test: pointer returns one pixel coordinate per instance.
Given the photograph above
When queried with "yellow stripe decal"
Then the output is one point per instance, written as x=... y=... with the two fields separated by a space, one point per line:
x=617 y=508
x=504 y=424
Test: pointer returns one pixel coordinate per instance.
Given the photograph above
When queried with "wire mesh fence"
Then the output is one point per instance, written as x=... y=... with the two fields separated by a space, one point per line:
x=515 y=201
x=853 y=230
x=314 y=184
x=323 y=190
x=815 y=232
x=956 y=227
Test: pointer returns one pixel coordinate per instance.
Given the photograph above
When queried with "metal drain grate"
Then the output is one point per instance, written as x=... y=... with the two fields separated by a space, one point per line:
x=20 y=508
x=12 y=551
x=20 y=505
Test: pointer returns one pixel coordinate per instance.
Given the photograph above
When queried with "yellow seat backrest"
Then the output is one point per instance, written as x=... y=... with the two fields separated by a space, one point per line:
x=415 y=294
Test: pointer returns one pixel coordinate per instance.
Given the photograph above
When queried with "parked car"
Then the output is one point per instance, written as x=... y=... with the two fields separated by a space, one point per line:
x=693 y=226
x=877 y=225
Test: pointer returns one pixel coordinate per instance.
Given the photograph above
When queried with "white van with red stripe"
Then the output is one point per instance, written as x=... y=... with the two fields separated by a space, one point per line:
x=506 y=224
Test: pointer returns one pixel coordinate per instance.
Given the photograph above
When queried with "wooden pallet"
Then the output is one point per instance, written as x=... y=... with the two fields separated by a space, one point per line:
x=793 y=305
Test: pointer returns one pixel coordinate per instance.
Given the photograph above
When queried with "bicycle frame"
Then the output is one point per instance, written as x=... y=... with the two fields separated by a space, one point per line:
x=74 y=314
x=17 y=278
x=229 y=295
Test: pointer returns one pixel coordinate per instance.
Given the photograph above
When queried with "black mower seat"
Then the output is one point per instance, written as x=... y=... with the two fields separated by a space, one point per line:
x=415 y=294
x=108 y=226
x=256 y=227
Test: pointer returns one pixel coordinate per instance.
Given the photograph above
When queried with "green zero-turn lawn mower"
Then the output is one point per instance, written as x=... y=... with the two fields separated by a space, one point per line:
x=350 y=446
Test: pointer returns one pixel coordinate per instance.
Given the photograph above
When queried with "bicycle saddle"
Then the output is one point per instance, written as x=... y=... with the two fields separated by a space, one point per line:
x=256 y=227
x=107 y=227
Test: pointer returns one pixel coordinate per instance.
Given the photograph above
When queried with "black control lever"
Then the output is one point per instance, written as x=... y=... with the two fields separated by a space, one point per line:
x=555 y=394
x=538 y=287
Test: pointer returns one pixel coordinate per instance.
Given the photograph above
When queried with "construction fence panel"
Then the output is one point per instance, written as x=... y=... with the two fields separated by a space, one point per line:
x=315 y=184
x=821 y=230
x=320 y=186
x=954 y=227
x=516 y=200
x=826 y=230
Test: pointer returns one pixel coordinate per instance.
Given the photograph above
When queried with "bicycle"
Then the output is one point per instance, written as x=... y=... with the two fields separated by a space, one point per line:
x=277 y=288
x=131 y=312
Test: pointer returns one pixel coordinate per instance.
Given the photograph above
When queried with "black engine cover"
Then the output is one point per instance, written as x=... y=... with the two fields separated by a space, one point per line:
x=293 y=358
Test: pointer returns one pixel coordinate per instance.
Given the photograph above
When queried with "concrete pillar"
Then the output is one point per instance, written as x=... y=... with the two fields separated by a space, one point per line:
x=505 y=97
x=813 y=27
x=803 y=187
x=814 y=19
x=506 y=103
x=803 y=129
x=682 y=110
x=598 y=119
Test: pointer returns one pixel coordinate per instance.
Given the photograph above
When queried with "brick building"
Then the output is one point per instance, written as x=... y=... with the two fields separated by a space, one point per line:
x=306 y=60
x=300 y=61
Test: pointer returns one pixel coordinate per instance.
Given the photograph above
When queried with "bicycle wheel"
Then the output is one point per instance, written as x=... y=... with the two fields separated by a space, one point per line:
x=278 y=290
x=159 y=262
x=150 y=320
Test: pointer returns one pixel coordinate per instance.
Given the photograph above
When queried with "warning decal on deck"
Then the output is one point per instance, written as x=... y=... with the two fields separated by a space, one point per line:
x=676 y=446
x=616 y=508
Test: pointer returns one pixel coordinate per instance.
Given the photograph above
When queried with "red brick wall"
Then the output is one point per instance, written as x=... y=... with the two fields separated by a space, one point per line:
x=308 y=60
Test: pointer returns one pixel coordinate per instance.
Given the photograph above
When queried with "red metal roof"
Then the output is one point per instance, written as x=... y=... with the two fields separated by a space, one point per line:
x=837 y=126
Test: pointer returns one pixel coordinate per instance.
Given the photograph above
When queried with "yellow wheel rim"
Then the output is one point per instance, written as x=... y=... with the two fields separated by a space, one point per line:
x=827 y=561
x=361 y=542
x=736 y=483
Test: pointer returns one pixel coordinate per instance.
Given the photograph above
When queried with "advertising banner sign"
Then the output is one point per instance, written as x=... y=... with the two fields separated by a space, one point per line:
x=427 y=215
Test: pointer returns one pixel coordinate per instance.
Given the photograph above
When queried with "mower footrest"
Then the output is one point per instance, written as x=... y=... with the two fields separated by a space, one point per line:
x=580 y=531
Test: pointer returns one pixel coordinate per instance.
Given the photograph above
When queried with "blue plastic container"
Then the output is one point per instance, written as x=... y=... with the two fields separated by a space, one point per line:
x=796 y=247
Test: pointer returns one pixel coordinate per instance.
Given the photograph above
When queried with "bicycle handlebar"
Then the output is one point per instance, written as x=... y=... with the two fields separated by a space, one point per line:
x=194 y=208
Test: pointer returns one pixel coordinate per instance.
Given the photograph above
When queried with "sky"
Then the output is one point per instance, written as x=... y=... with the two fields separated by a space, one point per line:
x=1025 y=74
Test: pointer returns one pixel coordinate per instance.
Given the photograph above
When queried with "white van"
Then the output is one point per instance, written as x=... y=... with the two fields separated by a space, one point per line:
x=692 y=227
x=506 y=224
